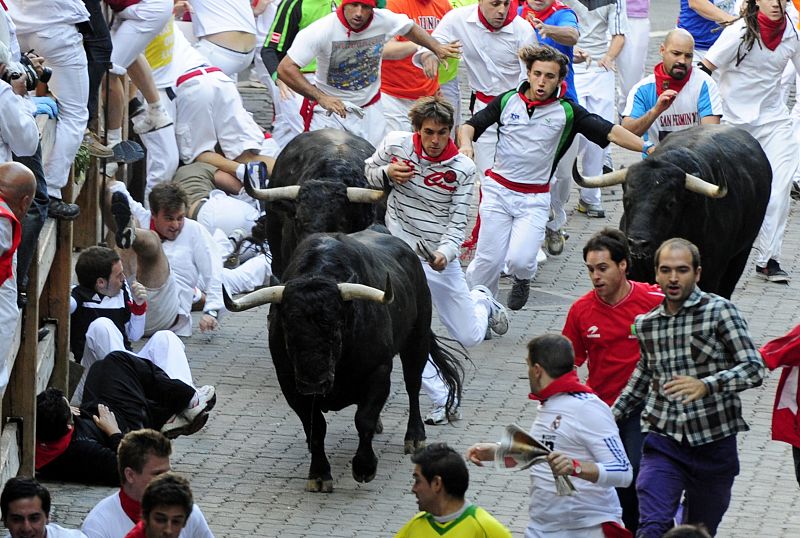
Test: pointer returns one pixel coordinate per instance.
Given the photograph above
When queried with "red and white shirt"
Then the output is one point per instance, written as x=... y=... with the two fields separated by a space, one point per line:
x=601 y=333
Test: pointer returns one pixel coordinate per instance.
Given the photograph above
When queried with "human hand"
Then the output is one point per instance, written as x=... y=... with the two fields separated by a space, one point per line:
x=285 y=91
x=139 y=292
x=467 y=150
x=400 y=171
x=448 y=50
x=333 y=105
x=430 y=65
x=106 y=420
x=208 y=323
x=260 y=6
x=560 y=464
x=480 y=452
x=181 y=7
x=686 y=388
x=18 y=85
x=439 y=261
x=579 y=56
x=607 y=63
x=37 y=62
x=665 y=100
x=45 y=105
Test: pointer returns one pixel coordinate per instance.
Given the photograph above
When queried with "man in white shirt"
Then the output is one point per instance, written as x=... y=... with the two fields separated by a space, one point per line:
x=595 y=82
x=348 y=46
x=226 y=33
x=142 y=456
x=25 y=504
x=579 y=429
x=675 y=97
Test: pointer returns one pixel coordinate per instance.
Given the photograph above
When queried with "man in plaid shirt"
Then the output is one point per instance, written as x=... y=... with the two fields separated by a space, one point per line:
x=696 y=354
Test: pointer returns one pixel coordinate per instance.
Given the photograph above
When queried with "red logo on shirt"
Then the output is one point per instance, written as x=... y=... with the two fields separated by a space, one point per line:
x=275 y=38
x=441 y=180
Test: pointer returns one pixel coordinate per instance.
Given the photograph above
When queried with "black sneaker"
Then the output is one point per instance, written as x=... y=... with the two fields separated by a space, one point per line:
x=126 y=229
x=773 y=272
x=795 y=192
x=127 y=151
x=61 y=210
x=518 y=296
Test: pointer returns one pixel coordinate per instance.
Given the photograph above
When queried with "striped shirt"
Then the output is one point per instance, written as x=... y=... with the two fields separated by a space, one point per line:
x=433 y=204
x=708 y=340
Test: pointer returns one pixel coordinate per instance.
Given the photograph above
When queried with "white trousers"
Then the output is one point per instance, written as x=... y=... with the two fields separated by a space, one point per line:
x=164 y=349
x=484 y=147
x=287 y=123
x=452 y=92
x=464 y=313
x=512 y=231
x=162 y=150
x=230 y=61
x=596 y=94
x=395 y=110
x=135 y=27
x=595 y=531
x=778 y=142
x=630 y=62
x=248 y=276
x=62 y=47
x=372 y=127
x=560 y=187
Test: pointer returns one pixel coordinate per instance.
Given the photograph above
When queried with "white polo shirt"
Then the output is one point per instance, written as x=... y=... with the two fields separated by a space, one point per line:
x=751 y=93
x=348 y=62
x=609 y=18
x=214 y=16
x=491 y=60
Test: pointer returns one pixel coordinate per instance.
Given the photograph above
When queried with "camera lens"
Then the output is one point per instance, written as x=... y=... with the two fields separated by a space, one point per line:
x=46 y=74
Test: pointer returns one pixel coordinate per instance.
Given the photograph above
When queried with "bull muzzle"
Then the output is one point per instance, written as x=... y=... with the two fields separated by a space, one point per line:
x=356 y=195
x=274 y=294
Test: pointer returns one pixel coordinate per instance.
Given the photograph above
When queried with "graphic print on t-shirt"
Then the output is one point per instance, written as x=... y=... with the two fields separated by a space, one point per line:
x=354 y=64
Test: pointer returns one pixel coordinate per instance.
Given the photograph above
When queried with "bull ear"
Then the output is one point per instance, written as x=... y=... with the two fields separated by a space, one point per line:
x=271 y=195
x=364 y=196
x=271 y=294
x=352 y=292
x=700 y=186
x=606 y=180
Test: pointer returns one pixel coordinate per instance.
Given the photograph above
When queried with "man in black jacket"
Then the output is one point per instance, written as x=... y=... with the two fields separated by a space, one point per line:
x=123 y=392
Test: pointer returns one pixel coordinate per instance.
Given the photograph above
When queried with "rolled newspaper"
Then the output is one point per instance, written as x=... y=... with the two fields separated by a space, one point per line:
x=518 y=451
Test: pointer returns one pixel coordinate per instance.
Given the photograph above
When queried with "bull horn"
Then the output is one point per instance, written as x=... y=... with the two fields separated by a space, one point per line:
x=360 y=291
x=271 y=294
x=606 y=180
x=700 y=186
x=271 y=195
x=364 y=196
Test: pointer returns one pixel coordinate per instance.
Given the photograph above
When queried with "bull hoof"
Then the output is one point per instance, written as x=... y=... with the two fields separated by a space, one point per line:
x=364 y=469
x=411 y=446
x=379 y=426
x=318 y=485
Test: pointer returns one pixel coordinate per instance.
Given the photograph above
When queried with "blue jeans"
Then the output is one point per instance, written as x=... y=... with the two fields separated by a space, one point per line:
x=669 y=468
x=33 y=220
x=97 y=44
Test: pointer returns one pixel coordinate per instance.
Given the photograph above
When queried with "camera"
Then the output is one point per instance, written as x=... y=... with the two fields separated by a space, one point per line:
x=24 y=68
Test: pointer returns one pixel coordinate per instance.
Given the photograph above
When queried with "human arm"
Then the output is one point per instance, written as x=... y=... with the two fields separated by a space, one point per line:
x=388 y=164
x=636 y=390
x=442 y=51
x=397 y=50
x=637 y=122
x=289 y=72
x=573 y=333
x=709 y=11
x=450 y=242
x=480 y=452
x=17 y=126
x=601 y=131
x=208 y=263
x=474 y=127
x=281 y=35
x=138 y=308
x=563 y=34
x=608 y=62
x=260 y=6
x=106 y=421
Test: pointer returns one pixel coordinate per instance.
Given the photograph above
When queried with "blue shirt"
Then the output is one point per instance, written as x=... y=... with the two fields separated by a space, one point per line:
x=562 y=17
x=704 y=31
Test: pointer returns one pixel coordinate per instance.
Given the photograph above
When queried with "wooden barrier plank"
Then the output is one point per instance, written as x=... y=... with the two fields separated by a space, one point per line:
x=46 y=251
x=46 y=358
x=9 y=453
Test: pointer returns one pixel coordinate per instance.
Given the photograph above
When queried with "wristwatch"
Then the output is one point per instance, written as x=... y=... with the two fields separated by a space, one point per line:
x=213 y=313
x=576 y=468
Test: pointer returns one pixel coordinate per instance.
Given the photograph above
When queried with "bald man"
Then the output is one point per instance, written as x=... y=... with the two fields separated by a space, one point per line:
x=675 y=97
x=17 y=188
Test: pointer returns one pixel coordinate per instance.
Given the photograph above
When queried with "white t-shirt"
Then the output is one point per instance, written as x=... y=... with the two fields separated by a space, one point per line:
x=170 y=55
x=595 y=27
x=18 y=131
x=490 y=58
x=54 y=531
x=581 y=426
x=46 y=15
x=751 y=93
x=214 y=16
x=348 y=63
x=108 y=520
x=698 y=98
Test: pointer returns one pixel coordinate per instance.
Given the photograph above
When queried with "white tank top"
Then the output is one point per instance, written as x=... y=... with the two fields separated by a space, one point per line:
x=214 y=16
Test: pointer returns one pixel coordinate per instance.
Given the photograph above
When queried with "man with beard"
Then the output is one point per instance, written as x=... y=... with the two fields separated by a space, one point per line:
x=675 y=97
x=441 y=479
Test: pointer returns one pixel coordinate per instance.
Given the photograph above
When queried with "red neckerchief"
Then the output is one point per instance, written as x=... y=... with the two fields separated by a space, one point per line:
x=771 y=31
x=137 y=532
x=4 y=5
x=449 y=152
x=665 y=82
x=562 y=89
x=512 y=12
x=132 y=508
x=568 y=382
x=544 y=14
x=47 y=452
x=153 y=228
x=343 y=20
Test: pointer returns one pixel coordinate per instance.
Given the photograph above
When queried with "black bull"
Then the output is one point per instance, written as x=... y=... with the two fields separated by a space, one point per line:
x=665 y=197
x=317 y=185
x=331 y=351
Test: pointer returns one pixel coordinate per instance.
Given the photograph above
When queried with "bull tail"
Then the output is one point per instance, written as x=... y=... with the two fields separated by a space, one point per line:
x=448 y=356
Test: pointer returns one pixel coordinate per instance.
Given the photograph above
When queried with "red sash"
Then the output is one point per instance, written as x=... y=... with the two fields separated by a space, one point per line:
x=7 y=258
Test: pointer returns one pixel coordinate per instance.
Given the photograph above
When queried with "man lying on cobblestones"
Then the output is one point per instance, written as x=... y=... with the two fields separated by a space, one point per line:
x=143 y=456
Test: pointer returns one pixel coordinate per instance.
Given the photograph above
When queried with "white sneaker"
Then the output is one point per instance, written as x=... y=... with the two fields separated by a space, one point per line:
x=498 y=317
x=438 y=416
x=154 y=119
x=194 y=417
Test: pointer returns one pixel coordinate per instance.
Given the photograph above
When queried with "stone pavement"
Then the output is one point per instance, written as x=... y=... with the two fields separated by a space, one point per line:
x=248 y=466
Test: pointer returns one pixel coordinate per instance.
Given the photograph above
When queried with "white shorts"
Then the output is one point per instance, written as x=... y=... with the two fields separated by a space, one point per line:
x=163 y=307
x=210 y=111
x=230 y=61
x=135 y=27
